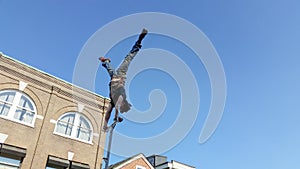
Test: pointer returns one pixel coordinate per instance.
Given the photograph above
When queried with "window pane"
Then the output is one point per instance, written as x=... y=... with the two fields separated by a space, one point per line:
x=65 y=124
x=7 y=96
x=4 y=108
x=84 y=130
x=25 y=103
x=84 y=123
x=69 y=118
x=8 y=163
x=64 y=128
x=140 y=167
x=24 y=115
x=84 y=134
x=56 y=167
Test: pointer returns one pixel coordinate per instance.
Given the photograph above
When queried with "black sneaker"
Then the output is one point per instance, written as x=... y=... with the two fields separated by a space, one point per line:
x=105 y=129
x=142 y=36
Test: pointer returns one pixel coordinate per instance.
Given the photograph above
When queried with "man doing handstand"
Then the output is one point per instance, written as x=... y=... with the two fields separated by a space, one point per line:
x=117 y=83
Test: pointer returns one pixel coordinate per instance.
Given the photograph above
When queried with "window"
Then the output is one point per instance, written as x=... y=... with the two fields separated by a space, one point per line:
x=11 y=157
x=59 y=163
x=74 y=125
x=56 y=167
x=8 y=163
x=17 y=106
x=139 y=167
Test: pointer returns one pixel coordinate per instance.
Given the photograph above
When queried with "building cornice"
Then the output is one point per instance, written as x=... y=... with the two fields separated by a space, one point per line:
x=50 y=83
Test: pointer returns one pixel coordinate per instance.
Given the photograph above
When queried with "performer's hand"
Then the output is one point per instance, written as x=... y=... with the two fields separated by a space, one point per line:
x=102 y=59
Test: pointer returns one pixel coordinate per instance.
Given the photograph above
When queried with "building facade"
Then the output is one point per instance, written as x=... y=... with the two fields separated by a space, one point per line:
x=46 y=122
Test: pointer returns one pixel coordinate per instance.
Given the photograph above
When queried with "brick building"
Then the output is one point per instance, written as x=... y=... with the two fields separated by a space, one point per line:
x=135 y=162
x=152 y=162
x=46 y=122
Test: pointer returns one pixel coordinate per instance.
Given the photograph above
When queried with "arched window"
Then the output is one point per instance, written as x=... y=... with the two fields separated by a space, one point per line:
x=17 y=106
x=74 y=125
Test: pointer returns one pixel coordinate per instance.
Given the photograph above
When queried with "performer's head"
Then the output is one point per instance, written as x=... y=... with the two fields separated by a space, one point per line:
x=125 y=107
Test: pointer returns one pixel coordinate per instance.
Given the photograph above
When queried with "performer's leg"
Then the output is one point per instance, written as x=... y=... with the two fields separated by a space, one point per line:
x=122 y=70
x=107 y=116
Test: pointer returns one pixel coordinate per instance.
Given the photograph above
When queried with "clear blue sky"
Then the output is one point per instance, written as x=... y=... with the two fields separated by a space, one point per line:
x=257 y=42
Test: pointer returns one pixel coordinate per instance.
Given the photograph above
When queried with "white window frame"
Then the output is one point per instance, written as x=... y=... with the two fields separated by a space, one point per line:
x=139 y=167
x=14 y=105
x=75 y=126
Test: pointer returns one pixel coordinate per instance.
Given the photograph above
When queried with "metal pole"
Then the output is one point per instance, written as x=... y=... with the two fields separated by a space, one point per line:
x=111 y=130
x=70 y=164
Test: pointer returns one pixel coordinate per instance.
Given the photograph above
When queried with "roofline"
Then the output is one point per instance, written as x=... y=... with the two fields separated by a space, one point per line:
x=169 y=164
x=172 y=161
x=131 y=159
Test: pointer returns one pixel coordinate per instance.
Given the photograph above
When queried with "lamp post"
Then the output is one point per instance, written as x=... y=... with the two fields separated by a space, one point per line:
x=70 y=158
x=111 y=130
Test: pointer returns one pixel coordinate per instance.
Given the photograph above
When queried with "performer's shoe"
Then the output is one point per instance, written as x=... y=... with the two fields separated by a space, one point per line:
x=105 y=128
x=103 y=59
x=137 y=46
x=144 y=33
x=118 y=119
x=142 y=36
